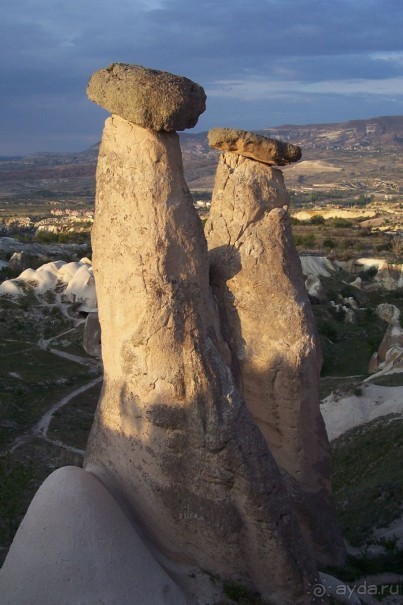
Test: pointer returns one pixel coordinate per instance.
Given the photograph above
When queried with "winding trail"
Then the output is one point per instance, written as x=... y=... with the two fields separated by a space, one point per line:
x=40 y=429
x=42 y=426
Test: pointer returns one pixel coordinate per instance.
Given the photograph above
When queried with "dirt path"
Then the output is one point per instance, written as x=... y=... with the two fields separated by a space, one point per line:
x=44 y=342
x=42 y=426
x=85 y=361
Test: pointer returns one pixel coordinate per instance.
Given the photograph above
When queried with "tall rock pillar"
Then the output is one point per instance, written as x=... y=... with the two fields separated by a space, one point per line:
x=268 y=322
x=172 y=438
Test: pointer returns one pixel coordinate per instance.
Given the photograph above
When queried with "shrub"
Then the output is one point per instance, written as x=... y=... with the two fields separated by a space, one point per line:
x=305 y=241
x=368 y=275
x=341 y=222
x=329 y=243
x=294 y=220
x=317 y=219
x=50 y=297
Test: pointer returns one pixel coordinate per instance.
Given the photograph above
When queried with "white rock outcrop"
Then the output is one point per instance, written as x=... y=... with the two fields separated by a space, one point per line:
x=69 y=283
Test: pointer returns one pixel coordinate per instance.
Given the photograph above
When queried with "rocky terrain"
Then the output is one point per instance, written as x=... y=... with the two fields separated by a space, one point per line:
x=172 y=438
x=342 y=160
x=360 y=409
x=208 y=452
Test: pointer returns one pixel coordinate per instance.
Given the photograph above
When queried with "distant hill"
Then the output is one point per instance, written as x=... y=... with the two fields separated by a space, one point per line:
x=359 y=150
x=375 y=133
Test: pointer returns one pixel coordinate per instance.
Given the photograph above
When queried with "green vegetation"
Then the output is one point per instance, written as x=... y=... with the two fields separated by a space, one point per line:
x=201 y=195
x=72 y=423
x=342 y=237
x=317 y=219
x=306 y=241
x=367 y=480
x=15 y=479
x=389 y=560
x=21 y=474
x=75 y=237
x=348 y=347
x=32 y=379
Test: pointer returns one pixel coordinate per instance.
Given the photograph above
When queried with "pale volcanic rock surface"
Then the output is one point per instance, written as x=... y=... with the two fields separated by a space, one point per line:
x=255 y=146
x=68 y=282
x=76 y=545
x=269 y=327
x=148 y=97
x=172 y=437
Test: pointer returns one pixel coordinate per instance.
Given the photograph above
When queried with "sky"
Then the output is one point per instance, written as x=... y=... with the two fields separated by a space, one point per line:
x=262 y=63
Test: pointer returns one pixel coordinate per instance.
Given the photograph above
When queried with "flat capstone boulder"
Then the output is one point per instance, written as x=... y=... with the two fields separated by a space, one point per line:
x=147 y=97
x=254 y=146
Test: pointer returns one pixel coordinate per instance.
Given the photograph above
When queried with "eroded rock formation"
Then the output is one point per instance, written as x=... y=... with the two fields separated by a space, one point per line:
x=251 y=145
x=148 y=97
x=188 y=460
x=389 y=356
x=269 y=327
x=76 y=545
x=172 y=437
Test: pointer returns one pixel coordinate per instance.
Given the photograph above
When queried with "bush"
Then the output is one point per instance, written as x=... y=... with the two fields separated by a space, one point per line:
x=368 y=275
x=327 y=329
x=317 y=219
x=305 y=241
x=329 y=243
x=341 y=222
x=294 y=220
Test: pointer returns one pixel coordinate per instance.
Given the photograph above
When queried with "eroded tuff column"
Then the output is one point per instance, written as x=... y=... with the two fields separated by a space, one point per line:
x=268 y=322
x=172 y=439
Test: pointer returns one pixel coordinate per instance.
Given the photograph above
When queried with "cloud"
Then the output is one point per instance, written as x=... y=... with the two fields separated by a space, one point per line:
x=277 y=89
x=268 y=50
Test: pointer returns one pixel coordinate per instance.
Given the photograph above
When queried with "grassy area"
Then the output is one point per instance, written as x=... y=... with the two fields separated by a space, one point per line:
x=72 y=423
x=340 y=236
x=368 y=479
x=31 y=380
x=347 y=347
x=21 y=474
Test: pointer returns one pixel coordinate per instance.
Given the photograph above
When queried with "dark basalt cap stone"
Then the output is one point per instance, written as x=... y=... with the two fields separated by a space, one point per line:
x=149 y=98
x=255 y=146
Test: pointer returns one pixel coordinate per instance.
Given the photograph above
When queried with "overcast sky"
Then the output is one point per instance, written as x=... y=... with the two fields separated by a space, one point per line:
x=262 y=63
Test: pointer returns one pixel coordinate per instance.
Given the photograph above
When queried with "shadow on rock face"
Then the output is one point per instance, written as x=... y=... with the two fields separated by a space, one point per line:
x=267 y=321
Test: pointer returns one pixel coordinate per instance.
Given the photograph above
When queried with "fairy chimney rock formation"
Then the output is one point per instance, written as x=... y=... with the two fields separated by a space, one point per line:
x=254 y=146
x=148 y=97
x=172 y=438
x=268 y=324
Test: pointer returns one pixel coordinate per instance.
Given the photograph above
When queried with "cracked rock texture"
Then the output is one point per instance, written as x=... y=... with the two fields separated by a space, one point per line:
x=172 y=439
x=255 y=146
x=268 y=324
x=148 y=97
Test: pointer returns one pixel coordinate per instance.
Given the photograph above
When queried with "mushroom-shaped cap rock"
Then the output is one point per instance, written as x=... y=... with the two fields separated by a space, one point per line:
x=149 y=98
x=255 y=146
